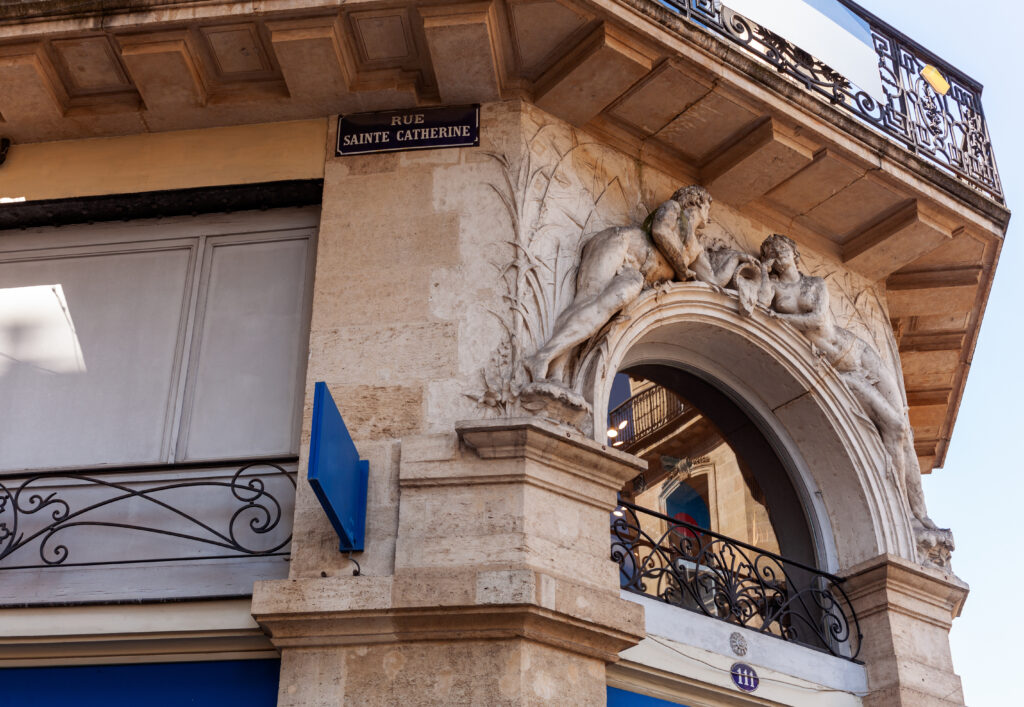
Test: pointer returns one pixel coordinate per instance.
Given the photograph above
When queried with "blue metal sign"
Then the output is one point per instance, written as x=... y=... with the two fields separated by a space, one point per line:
x=744 y=677
x=336 y=473
x=411 y=129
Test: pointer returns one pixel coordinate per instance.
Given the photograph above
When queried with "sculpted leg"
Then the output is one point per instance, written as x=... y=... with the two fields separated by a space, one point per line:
x=884 y=382
x=915 y=493
x=886 y=418
x=584 y=318
x=703 y=270
x=556 y=369
x=903 y=444
x=717 y=268
x=896 y=438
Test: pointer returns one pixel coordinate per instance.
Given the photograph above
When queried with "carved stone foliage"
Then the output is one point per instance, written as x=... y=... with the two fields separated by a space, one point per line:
x=557 y=189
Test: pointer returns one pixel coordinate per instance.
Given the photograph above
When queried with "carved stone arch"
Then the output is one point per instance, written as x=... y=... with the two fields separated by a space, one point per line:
x=831 y=451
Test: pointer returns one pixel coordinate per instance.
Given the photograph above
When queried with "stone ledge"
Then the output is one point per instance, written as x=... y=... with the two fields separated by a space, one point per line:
x=447 y=624
x=900 y=585
x=127 y=633
x=520 y=452
x=545 y=442
x=24 y=9
x=691 y=628
x=361 y=611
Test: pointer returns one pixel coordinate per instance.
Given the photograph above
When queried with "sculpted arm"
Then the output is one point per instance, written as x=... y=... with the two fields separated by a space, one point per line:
x=667 y=237
x=766 y=292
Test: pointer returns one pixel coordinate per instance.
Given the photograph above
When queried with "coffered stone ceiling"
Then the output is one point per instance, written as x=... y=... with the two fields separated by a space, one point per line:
x=634 y=76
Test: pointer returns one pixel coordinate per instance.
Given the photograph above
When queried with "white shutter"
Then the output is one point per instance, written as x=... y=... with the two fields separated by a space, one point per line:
x=124 y=310
x=245 y=359
x=154 y=341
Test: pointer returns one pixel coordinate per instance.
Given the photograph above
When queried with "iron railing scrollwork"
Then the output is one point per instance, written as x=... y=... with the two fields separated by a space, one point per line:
x=643 y=415
x=75 y=519
x=948 y=129
x=697 y=569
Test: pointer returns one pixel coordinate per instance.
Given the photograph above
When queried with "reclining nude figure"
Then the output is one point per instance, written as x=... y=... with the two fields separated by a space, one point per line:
x=803 y=301
x=618 y=263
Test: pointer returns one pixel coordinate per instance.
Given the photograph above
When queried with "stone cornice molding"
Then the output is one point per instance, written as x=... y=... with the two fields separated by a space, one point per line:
x=130 y=633
x=548 y=443
x=531 y=451
x=892 y=584
x=340 y=611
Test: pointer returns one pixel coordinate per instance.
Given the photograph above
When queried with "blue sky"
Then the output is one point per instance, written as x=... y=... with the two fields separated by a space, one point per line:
x=979 y=491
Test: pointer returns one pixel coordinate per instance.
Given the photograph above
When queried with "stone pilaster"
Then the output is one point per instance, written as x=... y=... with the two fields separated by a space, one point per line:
x=503 y=591
x=905 y=612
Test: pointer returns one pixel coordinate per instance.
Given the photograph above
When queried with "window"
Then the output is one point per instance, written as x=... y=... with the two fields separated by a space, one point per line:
x=154 y=342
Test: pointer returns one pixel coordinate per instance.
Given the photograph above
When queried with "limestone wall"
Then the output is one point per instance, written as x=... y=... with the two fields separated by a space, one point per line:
x=422 y=256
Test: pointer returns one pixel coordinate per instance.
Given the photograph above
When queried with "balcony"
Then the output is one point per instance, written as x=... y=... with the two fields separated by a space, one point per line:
x=939 y=120
x=705 y=528
x=144 y=533
x=638 y=421
x=696 y=569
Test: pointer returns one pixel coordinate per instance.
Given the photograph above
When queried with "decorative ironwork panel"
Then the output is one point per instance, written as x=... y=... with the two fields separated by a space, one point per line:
x=643 y=415
x=699 y=570
x=75 y=519
x=948 y=130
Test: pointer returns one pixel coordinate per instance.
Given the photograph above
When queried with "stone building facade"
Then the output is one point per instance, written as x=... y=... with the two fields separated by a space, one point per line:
x=184 y=255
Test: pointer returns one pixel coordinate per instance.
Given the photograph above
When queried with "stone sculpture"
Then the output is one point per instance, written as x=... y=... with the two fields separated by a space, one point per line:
x=618 y=263
x=803 y=301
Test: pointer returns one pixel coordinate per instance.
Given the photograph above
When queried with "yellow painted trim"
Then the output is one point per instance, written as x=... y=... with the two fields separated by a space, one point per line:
x=242 y=154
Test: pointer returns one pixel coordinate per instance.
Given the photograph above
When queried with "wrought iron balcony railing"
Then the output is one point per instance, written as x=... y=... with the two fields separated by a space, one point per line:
x=642 y=416
x=157 y=514
x=949 y=129
x=726 y=579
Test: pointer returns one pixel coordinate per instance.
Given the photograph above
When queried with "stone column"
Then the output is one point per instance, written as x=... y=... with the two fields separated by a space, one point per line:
x=503 y=591
x=905 y=612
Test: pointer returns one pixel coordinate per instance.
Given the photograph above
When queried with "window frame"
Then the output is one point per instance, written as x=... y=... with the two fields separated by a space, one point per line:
x=200 y=235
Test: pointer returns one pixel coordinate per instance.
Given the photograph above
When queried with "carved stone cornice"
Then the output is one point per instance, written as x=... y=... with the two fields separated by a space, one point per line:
x=888 y=583
x=375 y=610
x=630 y=71
x=556 y=448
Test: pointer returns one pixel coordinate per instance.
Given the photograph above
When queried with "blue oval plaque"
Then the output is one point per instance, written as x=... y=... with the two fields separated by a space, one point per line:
x=744 y=677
